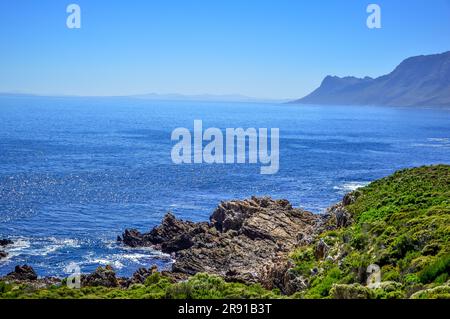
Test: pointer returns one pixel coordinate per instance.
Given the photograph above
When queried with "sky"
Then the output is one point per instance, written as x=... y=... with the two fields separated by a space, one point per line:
x=259 y=48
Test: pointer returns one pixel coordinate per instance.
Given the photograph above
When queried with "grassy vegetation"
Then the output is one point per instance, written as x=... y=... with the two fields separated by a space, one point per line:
x=200 y=286
x=401 y=223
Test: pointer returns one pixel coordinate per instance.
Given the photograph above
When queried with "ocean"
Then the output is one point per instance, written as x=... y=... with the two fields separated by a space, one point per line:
x=75 y=172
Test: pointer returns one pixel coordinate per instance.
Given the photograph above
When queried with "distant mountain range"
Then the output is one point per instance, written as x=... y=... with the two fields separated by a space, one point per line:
x=164 y=97
x=207 y=98
x=418 y=81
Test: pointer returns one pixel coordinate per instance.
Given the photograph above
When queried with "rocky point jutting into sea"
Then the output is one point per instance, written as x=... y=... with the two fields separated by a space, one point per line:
x=245 y=240
x=389 y=239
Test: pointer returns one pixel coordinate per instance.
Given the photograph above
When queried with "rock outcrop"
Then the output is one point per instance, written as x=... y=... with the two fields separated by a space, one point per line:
x=26 y=275
x=321 y=250
x=244 y=240
x=338 y=216
x=4 y=243
x=142 y=274
x=102 y=276
x=22 y=273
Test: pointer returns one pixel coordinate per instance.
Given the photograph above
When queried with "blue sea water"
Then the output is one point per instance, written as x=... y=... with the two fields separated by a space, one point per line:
x=75 y=172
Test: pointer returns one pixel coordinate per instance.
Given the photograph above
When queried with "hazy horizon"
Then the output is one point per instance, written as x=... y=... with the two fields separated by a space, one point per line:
x=261 y=50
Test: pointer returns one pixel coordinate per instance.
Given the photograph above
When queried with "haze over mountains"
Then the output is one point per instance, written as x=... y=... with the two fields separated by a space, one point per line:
x=208 y=98
x=162 y=97
x=418 y=81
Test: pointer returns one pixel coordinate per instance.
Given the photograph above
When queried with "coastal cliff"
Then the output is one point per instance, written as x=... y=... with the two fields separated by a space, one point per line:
x=417 y=81
x=389 y=239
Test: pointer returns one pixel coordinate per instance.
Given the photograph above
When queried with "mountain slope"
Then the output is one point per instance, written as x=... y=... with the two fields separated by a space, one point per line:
x=401 y=224
x=417 y=81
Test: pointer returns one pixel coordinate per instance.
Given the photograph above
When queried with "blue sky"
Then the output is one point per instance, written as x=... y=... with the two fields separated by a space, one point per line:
x=260 y=48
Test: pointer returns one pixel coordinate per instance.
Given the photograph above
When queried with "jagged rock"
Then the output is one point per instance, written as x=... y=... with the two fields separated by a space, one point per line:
x=5 y=242
x=26 y=275
x=24 y=272
x=273 y=273
x=321 y=249
x=242 y=238
x=141 y=275
x=132 y=238
x=280 y=274
x=232 y=214
x=350 y=198
x=103 y=276
x=293 y=282
x=170 y=225
x=3 y=254
x=172 y=235
x=339 y=215
x=174 y=276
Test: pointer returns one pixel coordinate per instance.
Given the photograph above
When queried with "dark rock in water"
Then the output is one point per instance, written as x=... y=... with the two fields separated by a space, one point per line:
x=242 y=240
x=133 y=238
x=169 y=226
x=102 y=276
x=24 y=273
x=171 y=236
x=5 y=242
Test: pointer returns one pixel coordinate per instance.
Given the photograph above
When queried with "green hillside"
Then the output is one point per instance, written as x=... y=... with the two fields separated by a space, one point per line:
x=400 y=223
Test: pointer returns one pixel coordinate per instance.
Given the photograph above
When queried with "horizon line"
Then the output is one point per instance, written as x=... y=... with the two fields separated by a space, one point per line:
x=160 y=96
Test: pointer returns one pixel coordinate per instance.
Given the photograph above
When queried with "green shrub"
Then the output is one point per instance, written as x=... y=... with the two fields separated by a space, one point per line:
x=440 y=266
x=401 y=223
x=321 y=285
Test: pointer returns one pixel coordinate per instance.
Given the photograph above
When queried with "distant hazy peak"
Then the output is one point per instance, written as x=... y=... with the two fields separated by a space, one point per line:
x=420 y=80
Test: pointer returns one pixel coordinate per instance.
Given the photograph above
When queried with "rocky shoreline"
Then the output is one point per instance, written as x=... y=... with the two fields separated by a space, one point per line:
x=3 y=244
x=388 y=240
x=246 y=241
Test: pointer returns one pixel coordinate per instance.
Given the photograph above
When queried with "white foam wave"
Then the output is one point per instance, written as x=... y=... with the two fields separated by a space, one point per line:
x=39 y=247
x=350 y=186
x=118 y=261
x=18 y=246
x=116 y=264
x=436 y=142
x=439 y=139
x=184 y=206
